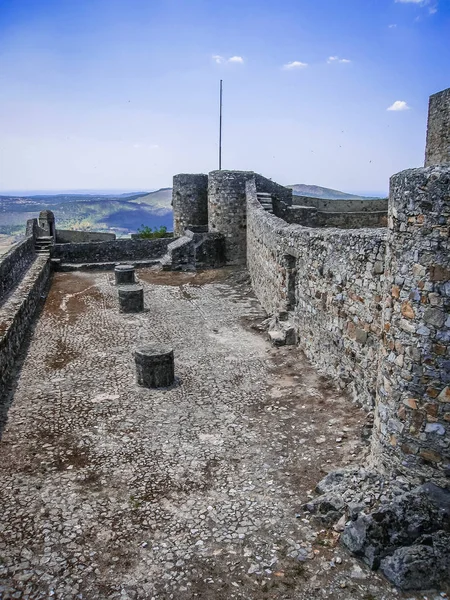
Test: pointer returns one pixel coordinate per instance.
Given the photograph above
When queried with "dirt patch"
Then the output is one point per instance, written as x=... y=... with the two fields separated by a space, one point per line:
x=61 y=357
x=70 y=294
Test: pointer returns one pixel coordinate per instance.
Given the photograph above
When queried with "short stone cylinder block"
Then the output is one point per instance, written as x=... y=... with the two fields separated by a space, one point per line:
x=124 y=274
x=155 y=366
x=131 y=298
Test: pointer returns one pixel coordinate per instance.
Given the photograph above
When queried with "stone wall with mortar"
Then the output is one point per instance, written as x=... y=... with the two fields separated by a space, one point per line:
x=110 y=251
x=16 y=317
x=280 y=192
x=67 y=236
x=189 y=201
x=438 y=134
x=13 y=265
x=310 y=216
x=412 y=425
x=227 y=211
x=336 y=305
x=340 y=206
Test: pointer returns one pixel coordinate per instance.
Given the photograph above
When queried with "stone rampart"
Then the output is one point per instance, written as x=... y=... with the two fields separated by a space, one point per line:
x=438 y=133
x=227 y=211
x=280 y=192
x=412 y=425
x=68 y=236
x=189 y=201
x=14 y=264
x=16 y=317
x=111 y=251
x=341 y=206
x=310 y=216
x=330 y=281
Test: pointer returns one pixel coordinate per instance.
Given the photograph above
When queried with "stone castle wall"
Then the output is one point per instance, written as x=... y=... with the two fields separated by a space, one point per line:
x=342 y=206
x=69 y=236
x=310 y=216
x=412 y=427
x=438 y=133
x=189 y=201
x=227 y=211
x=336 y=307
x=17 y=314
x=111 y=251
x=14 y=264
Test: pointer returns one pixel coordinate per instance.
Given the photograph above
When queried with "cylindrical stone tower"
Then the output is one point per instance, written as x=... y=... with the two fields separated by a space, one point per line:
x=189 y=201
x=412 y=423
x=227 y=211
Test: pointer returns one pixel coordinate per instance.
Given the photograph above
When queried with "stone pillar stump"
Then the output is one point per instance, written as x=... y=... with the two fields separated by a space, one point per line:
x=124 y=274
x=131 y=298
x=155 y=366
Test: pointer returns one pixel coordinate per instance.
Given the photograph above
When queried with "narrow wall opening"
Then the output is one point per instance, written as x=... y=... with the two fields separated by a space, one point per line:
x=290 y=264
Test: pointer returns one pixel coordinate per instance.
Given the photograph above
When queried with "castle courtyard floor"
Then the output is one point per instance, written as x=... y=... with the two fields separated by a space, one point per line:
x=109 y=490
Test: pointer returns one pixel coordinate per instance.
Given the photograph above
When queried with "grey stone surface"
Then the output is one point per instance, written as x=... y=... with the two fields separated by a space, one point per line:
x=438 y=132
x=111 y=490
x=155 y=366
x=131 y=298
x=124 y=274
x=189 y=201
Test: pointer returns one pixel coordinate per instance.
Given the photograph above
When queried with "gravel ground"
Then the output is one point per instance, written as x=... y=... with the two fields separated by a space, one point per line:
x=109 y=490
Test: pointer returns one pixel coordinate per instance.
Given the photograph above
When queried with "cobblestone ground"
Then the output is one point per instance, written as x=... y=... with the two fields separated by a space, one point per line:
x=109 y=490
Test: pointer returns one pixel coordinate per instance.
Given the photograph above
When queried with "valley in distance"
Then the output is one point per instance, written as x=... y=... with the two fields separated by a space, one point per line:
x=120 y=213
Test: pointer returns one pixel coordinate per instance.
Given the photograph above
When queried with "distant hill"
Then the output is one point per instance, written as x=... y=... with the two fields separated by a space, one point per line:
x=122 y=213
x=316 y=191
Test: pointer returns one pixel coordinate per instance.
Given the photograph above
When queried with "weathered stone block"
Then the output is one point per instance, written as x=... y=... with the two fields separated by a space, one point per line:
x=131 y=298
x=155 y=366
x=124 y=274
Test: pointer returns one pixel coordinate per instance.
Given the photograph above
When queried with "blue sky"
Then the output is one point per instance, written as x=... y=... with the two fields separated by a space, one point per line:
x=122 y=94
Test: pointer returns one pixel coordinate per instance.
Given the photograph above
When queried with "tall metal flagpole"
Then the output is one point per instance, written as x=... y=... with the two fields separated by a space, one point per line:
x=220 y=129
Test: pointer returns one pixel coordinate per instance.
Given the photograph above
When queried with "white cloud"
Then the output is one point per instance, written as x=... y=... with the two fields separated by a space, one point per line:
x=399 y=105
x=336 y=59
x=431 y=4
x=220 y=60
x=393 y=26
x=295 y=64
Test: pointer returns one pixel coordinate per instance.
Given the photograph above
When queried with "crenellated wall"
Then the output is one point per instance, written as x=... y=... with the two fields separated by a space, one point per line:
x=336 y=303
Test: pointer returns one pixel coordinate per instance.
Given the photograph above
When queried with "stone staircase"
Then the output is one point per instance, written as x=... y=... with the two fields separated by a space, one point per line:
x=42 y=244
x=266 y=201
x=180 y=255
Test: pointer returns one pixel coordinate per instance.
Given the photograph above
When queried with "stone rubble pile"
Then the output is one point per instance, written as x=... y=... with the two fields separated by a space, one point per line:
x=388 y=523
